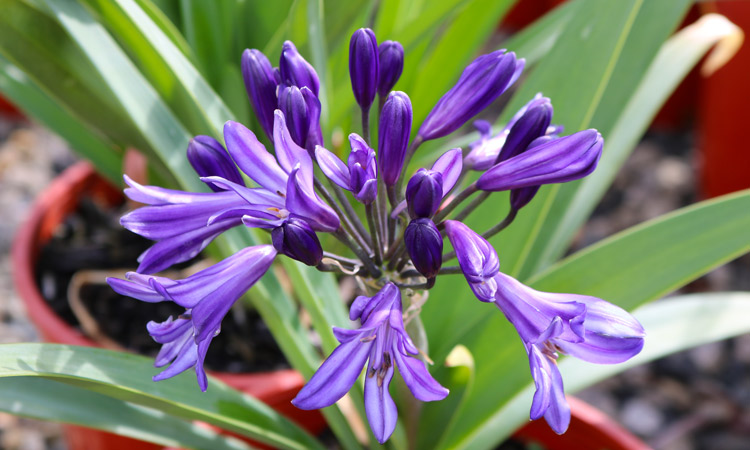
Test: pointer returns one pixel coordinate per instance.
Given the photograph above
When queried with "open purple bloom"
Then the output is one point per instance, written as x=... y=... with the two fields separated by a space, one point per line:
x=393 y=135
x=208 y=294
x=261 y=84
x=363 y=66
x=179 y=349
x=425 y=246
x=480 y=84
x=360 y=173
x=391 y=59
x=559 y=160
x=383 y=341
x=296 y=71
x=582 y=326
x=209 y=158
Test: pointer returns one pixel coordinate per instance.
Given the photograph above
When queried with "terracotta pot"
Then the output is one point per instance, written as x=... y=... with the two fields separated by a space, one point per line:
x=49 y=210
x=590 y=429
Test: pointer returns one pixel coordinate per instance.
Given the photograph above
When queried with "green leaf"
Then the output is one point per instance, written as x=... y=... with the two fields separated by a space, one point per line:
x=673 y=62
x=44 y=399
x=120 y=376
x=672 y=325
x=22 y=91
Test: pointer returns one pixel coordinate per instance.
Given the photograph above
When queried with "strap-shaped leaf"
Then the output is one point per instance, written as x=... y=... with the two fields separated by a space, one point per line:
x=121 y=376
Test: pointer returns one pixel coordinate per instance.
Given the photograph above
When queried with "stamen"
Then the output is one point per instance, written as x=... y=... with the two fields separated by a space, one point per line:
x=368 y=338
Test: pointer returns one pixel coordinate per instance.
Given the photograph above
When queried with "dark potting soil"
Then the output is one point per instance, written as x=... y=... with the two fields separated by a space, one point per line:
x=92 y=239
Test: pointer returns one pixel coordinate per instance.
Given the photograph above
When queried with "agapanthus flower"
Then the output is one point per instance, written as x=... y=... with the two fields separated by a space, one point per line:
x=383 y=342
x=548 y=323
x=402 y=245
x=207 y=295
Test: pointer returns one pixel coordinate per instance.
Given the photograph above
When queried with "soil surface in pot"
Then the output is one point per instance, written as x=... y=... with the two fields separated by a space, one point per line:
x=91 y=243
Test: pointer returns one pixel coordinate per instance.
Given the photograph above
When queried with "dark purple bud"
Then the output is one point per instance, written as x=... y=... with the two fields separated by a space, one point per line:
x=363 y=66
x=314 y=133
x=480 y=84
x=209 y=158
x=295 y=71
x=297 y=240
x=558 y=161
x=393 y=135
x=260 y=83
x=391 y=65
x=521 y=197
x=425 y=246
x=292 y=103
x=424 y=193
x=531 y=125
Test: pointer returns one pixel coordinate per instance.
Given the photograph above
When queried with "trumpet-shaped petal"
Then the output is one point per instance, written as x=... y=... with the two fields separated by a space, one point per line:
x=560 y=160
x=261 y=84
x=208 y=294
x=382 y=342
x=208 y=158
x=296 y=71
x=476 y=257
x=393 y=135
x=363 y=66
x=425 y=246
x=179 y=349
x=302 y=201
x=391 y=60
x=585 y=327
x=480 y=84
x=253 y=158
x=449 y=165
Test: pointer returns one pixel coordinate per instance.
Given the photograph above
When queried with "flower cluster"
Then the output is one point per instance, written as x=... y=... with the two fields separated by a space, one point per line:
x=399 y=247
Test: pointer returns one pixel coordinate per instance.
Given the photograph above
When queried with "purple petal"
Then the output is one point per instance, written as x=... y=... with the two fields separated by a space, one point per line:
x=294 y=107
x=363 y=66
x=258 y=197
x=138 y=291
x=335 y=376
x=314 y=134
x=393 y=135
x=391 y=60
x=302 y=201
x=477 y=258
x=295 y=70
x=288 y=152
x=253 y=158
x=332 y=167
x=260 y=84
x=418 y=379
x=449 y=165
x=208 y=158
x=560 y=160
x=379 y=406
x=297 y=240
x=154 y=195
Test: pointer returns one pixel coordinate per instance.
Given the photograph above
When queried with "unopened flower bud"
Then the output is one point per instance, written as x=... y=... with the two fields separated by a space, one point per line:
x=425 y=246
x=480 y=84
x=424 y=193
x=393 y=135
x=294 y=107
x=391 y=59
x=363 y=66
x=260 y=83
x=208 y=158
x=296 y=71
x=297 y=240
x=531 y=125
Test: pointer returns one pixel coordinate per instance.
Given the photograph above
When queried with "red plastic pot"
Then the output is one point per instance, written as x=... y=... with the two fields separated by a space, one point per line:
x=590 y=429
x=49 y=210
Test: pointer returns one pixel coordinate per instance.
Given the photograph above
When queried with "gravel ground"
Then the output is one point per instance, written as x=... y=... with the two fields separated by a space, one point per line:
x=694 y=400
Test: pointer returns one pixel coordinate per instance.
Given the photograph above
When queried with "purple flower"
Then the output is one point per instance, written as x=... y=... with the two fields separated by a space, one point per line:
x=297 y=240
x=301 y=109
x=208 y=158
x=480 y=84
x=393 y=135
x=260 y=83
x=585 y=327
x=363 y=66
x=383 y=341
x=391 y=59
x=425 y=246
x=208 y=295
x=295 y=71
x=559 y=160
x=360 y=173
x=476 y=257
x=532 y=124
